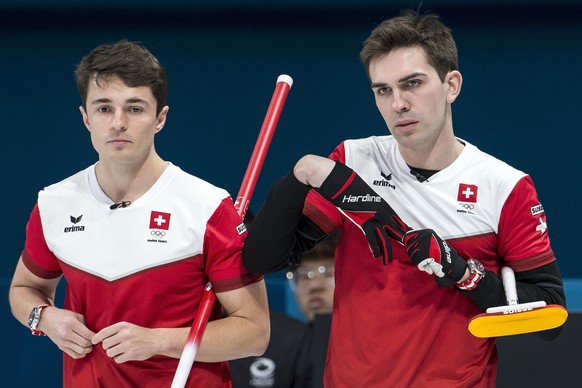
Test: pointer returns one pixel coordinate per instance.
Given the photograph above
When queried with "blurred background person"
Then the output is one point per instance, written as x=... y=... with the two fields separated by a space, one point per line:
x=313 y=284
x=295 y=356
x=313 y=280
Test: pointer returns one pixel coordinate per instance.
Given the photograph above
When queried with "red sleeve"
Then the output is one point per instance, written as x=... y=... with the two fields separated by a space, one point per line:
x=523 y=233
x=339 y=153
x=37 y=256
x=223 y=242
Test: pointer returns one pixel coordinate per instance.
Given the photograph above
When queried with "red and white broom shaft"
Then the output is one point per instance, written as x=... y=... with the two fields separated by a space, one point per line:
x=245 y=193
x=284 y=83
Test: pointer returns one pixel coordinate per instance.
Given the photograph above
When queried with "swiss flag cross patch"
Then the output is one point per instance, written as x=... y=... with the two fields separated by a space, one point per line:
x=160 y=220
x=467 y=193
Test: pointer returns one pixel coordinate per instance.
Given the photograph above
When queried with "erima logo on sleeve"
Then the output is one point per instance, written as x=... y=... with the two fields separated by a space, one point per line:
x=384 y=182
x=75 y=227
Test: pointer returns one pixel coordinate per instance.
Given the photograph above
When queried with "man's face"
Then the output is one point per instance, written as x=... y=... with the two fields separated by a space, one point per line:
x=410 y=96
x=314 y=286
x=122 y=121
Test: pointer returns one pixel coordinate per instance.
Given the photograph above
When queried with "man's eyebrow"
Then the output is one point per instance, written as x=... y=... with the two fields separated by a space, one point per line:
x=401 y=80
x=101 y=101
x=378 y=85
x=410 y=76
x=134 y=100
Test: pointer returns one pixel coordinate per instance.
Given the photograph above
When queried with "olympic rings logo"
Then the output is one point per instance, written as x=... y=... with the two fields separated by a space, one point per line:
x=467 y=206
x=158 y=233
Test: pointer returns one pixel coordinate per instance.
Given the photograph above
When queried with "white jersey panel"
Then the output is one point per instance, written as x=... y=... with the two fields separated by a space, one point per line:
x=166 y=225
x=464 y=199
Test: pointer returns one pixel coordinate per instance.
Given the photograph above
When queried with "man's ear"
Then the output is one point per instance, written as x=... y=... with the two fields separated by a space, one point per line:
x=85 y=118
x=162 y=118
x=454 y=80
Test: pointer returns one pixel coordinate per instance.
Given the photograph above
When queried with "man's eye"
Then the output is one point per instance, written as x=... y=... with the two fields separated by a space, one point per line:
x=135 y=109
x=413 y=83
x=102 y=109
x=382 y=91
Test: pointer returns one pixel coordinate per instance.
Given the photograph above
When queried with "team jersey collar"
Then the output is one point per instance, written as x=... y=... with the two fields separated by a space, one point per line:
x=444 y=173
x=101 y=197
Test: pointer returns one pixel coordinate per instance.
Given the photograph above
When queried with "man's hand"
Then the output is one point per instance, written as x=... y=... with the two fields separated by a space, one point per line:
x=67 y=330
x=434 y=256
x=125 y=341
x=365 y=208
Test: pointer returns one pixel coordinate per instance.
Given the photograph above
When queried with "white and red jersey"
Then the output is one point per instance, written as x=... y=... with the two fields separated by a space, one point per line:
x=392 y=325
x=146 y=264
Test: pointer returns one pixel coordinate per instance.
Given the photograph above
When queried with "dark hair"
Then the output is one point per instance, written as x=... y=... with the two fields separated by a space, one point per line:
x=411 y=29
x=130 y=61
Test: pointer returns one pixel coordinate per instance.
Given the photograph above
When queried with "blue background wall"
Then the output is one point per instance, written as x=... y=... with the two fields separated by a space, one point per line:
x=520 y=60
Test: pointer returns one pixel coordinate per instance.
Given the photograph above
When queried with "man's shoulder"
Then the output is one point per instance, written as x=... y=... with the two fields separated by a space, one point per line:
x=487 y=165
x=77 y=181
x=351 y=149
x=370 y=141
x=189 y=181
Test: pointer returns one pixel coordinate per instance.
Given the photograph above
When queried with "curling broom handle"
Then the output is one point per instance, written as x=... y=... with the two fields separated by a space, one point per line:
x=284 y=83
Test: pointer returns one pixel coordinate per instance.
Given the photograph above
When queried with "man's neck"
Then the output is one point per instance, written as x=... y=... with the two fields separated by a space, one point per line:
x=435 y=157
x=129 y=182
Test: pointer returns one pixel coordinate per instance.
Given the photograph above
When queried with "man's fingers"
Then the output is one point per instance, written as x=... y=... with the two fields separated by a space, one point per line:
x=425 y=265
x=430 y=266
x=77 y=346
x=108 y=332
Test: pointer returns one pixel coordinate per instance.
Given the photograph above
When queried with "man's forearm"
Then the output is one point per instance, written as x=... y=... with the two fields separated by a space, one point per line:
x=272 y=235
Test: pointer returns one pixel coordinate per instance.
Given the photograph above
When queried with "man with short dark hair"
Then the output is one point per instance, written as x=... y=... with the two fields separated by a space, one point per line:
x=439 y=216
x=136 y=239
